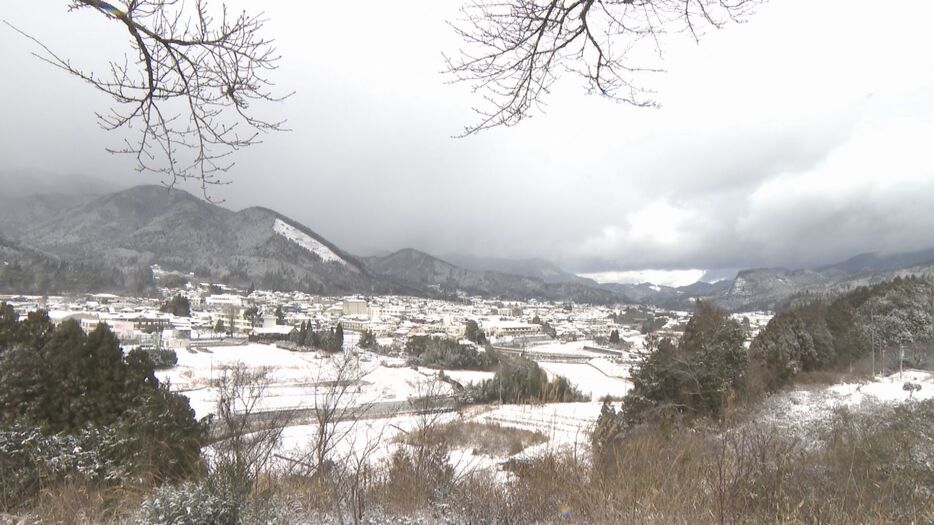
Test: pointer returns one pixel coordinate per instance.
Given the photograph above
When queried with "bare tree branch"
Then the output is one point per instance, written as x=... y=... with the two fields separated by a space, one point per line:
x=189 y=88
x=515 y=49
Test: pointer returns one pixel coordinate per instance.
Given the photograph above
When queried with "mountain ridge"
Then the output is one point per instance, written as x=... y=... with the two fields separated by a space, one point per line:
x=413 y=266
x=131 y=229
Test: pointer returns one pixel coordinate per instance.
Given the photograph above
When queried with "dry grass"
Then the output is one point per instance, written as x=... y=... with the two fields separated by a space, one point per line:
x=873 y=468
x=482 y=438
x=81 y=503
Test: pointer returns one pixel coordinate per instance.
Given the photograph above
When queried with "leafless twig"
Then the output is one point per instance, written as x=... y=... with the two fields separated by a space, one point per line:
x=188 y=86
x=515 y=49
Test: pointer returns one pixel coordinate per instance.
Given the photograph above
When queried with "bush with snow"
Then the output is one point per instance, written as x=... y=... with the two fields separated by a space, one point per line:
x=31 y=460
x=206 y=503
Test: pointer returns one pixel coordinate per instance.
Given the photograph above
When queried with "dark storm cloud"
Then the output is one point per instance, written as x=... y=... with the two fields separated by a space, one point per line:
x=770 y=149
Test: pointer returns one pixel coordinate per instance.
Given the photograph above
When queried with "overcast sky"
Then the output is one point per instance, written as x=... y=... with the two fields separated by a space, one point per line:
x=800 y=138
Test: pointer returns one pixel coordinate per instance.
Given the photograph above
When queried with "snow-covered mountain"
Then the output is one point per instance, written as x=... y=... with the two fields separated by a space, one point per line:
x=126 y=231
x=149 y=224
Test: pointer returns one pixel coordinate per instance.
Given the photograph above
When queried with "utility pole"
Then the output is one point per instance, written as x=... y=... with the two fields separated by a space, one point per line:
x=930 y=344
x=901 y=359
x=883 y=360
x=872 y=337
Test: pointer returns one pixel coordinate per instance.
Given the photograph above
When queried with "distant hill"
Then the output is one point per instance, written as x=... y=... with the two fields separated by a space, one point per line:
x=775 y=288
x=18 y=213
x=536 y=268
x=416 y=268
x=873 y=262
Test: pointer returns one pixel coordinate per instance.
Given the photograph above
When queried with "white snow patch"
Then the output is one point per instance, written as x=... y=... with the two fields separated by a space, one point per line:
x=566 y=425
x=802 y=410
x=467 y=377
x=589 y=379
x=306 y=241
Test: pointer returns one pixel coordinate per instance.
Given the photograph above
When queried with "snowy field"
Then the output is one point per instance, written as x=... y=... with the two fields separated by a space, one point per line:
x=567 y=426
x=296 y=378
x=469 y=377
x=597 y=378
x=557 y=349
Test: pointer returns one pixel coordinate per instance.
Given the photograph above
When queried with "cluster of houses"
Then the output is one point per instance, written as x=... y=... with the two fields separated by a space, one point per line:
x=218 y=312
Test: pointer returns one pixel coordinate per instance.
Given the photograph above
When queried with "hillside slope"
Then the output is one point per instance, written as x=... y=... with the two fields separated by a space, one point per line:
x=149 y=224
x=417 y=268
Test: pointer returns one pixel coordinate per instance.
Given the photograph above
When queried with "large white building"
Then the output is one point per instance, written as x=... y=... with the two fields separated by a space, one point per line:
x=224 y=299
x=354 y=307
x=504 y=328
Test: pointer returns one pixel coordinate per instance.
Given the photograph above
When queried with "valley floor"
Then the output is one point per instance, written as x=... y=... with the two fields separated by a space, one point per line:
x=300 y=381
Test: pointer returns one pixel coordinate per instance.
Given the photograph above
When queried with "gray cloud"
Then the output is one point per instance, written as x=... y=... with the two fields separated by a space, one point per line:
x=770 y=148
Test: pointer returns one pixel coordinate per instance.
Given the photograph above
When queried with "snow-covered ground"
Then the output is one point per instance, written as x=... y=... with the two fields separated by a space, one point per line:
x=565 y=425
x=374 y=438
x=467 y=377
x=296 y=378
x=599 y=380
x=558 y=349
x=306 y=241
x=802 y=410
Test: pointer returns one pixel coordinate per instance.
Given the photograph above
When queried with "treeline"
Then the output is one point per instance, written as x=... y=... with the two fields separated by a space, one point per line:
x=65 y=387
x=447 y=353
x=882 y=326
x=647 y=320
x=329 y=340
x=517 y=379
x=709 y=370
x=521 y=380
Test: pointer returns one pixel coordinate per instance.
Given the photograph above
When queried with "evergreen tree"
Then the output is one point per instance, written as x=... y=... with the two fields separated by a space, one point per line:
x=549 y=330
x=699 y=376
x=367 y=340
x=63 y=380
x=280 y=315
x=521 y=380
x=251 y=314
x=614 y=337
x=473 y=333
x=178 y=305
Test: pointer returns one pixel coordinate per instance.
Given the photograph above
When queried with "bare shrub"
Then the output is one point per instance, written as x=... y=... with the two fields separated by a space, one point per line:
x=247 y=436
